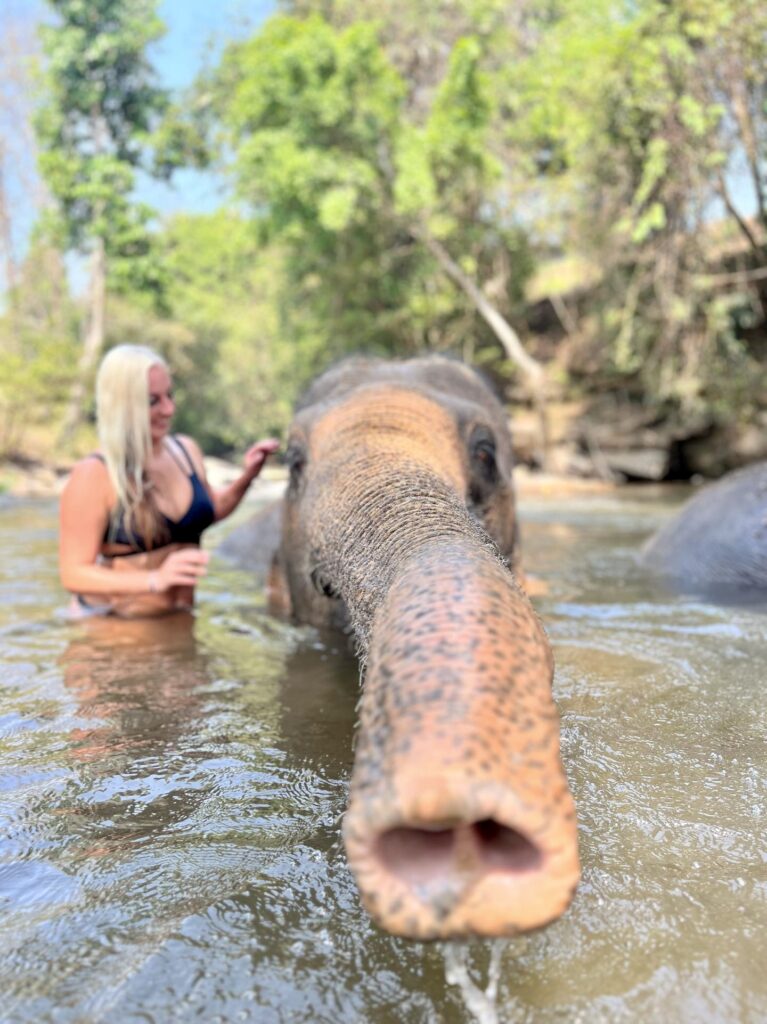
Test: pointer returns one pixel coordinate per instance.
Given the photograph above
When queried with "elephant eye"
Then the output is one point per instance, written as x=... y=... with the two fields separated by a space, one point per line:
x=295 y=457
x=322 y=584
x=483 y=459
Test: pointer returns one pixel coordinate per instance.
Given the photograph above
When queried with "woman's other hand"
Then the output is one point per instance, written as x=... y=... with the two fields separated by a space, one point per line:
x=172 y=575
x=181 y=568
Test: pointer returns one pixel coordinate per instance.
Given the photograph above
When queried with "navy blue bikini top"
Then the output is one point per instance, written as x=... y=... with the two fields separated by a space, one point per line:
x=187 y=529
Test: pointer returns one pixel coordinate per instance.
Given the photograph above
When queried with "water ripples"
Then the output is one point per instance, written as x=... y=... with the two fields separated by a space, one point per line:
x=170 y=800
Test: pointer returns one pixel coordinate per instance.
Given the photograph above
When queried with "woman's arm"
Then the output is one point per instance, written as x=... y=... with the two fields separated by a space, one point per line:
x=226 y=499
x=83 y=519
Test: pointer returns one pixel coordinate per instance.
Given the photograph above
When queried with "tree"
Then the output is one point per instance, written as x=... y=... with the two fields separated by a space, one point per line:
x=20 y=191
x=238 y=361
x=38 y=338
x=100 y=104
x=369 y=194
x=636 y=116
x=36 y=316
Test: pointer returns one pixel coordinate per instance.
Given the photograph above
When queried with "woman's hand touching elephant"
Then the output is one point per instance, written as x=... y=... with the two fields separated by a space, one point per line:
x=257 y=454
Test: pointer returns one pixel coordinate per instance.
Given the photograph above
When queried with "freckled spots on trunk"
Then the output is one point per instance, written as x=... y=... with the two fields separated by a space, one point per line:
x=457 y=757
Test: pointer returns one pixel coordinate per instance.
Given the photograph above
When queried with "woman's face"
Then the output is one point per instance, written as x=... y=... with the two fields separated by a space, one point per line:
x=161 y=404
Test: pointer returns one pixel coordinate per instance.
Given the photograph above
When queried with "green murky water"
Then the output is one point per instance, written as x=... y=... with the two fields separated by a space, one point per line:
x=170 y=795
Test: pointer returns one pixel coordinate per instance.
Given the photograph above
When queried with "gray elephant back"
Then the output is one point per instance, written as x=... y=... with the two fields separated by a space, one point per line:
x=251 y=546
x=716 y=545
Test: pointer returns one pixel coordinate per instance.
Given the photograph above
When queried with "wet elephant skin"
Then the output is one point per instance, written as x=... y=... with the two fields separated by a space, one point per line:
x=398 y=525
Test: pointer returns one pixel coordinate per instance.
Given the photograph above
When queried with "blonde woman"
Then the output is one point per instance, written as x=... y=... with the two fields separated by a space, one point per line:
x=132 y=513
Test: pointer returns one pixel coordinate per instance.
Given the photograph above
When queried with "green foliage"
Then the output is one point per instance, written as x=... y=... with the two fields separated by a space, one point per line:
x=345 y=174
x=445 y=170
x=635 y=110
x=308 y=110
x=100 y=104
x=597 y=134
x=38 y=346
x=180 y=138
x=586 y=128
x=457 y=128
x=238 y=360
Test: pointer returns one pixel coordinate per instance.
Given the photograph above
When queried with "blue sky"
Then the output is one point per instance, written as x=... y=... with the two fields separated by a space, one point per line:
x=193 y=28
x=198 y=27
x=197 y=31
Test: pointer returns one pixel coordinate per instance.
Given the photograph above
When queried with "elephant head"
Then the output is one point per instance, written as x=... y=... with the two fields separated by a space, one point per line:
x=399 y=525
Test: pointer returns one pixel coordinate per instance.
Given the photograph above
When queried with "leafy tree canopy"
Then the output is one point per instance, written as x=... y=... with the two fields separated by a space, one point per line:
x=331 y=155
x=101 y=99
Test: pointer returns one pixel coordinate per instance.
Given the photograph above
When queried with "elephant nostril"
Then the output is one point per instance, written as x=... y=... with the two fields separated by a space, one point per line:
x=416 y=854
x=419 y=856
x=504 y=848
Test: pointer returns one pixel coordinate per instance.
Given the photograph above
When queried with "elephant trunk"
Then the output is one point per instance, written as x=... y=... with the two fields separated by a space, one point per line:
x=460 y=819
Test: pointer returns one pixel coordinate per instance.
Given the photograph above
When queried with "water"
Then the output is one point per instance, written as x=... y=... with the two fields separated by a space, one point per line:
x=170 y=796
x=480 y=1001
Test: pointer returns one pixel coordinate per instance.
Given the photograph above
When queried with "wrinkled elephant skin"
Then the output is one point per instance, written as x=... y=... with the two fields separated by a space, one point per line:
x=399 y=525
x=716 y=545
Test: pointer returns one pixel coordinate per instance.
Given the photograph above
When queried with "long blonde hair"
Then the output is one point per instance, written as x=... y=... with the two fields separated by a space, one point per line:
x=122 y=413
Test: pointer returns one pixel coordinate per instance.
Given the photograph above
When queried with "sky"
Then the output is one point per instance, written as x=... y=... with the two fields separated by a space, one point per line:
x=197 y=31
x=199 y=27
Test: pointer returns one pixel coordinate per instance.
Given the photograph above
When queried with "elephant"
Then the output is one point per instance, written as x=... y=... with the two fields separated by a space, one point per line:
x=716 y=545
x=398 y=525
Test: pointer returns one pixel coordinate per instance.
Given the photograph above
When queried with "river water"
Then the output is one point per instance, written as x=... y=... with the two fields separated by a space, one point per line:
x=170 y=797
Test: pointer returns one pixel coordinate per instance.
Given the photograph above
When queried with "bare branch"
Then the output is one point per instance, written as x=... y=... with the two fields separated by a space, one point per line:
x=724 y=194
x=500 y=326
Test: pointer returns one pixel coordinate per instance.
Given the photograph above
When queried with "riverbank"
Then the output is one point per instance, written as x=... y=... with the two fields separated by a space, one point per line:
x=593 y=446
x=29 y=478
x=32 y=479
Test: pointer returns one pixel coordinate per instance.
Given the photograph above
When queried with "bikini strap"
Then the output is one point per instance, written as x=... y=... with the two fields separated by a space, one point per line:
x=189 y=464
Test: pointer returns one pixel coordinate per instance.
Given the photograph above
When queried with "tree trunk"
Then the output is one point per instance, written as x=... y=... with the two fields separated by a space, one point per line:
x=93 y=341
x=742 y=223
x=749 y=138
x=6 y=237
x=533 y=371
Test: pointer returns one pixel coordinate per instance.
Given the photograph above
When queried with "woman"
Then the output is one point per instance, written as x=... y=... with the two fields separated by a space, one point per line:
x=132 y=513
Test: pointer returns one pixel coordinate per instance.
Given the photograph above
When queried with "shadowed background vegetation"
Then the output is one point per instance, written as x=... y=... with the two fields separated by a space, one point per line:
x=570 y=194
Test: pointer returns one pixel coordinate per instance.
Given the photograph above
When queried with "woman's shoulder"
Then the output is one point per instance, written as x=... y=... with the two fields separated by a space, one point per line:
x=90 y=472
x=87 y=498
x=188 y=442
